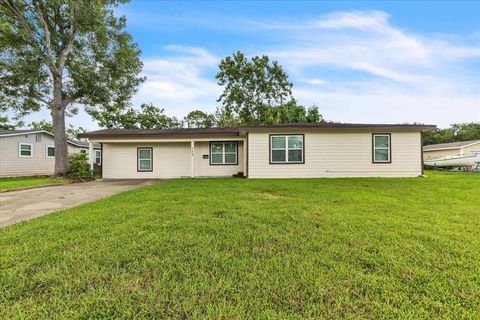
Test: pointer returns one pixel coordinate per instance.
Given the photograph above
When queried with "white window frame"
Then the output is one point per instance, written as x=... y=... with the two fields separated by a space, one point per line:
x=46 y=151
x=389 y=148
x=223 y=153
x=20 y=149
x=286 y=148
x=100 y=157
x=150 y=158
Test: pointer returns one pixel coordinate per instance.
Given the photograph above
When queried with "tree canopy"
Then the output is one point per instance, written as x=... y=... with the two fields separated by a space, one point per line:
x=456 y=132
x=72 y=131
x=199 y=119
x=63 y=55
x=148 y=117
x=257 y=91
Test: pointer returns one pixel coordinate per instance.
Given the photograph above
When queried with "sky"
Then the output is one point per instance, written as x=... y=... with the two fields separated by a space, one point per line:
x=359 y=61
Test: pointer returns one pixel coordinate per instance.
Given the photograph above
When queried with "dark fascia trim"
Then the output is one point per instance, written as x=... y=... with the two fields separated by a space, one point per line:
x=166 y=135
x=341 y=126
x=185 y=132
x=151 y=159
x=222 y=164
x=285 y=134
x=389 y=147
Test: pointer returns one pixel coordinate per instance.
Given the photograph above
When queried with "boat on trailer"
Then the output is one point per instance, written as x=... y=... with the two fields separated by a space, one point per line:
x=472 y=161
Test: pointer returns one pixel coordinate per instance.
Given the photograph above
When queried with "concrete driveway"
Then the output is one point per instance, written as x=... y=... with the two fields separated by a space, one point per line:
x=22 y=205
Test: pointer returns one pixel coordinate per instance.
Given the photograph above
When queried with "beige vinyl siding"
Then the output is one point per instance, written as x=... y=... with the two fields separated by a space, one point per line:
x=437 y=154
x=75 y=149
x=203 y=167
x=468 y=150
x=338 y=155
x=11 y=165
x=170 y=160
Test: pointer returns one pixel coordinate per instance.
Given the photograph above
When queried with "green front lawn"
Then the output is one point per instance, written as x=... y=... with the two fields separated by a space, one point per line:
x=7 y=184
x=233 y=248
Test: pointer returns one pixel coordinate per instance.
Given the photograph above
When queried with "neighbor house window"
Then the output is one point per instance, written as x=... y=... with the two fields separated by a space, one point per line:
x=25 y=149
x=145 y=159
x=50 y=152
x=83 y=151
x=223 y=153
x=382 y=148
x=98 y=157
x=286 y=149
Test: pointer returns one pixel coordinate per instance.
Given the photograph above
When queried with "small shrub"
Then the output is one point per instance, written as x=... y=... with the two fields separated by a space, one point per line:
x=78 y=168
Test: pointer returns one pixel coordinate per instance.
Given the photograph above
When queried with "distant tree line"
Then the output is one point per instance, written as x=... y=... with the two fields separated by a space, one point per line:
x=456 y=132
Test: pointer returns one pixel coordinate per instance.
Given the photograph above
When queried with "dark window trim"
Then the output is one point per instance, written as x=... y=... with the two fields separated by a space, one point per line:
x=389 y=147
x=138 y=162
x=46 y=150
x=222 y=164
x=95 y=157
x=282 y=135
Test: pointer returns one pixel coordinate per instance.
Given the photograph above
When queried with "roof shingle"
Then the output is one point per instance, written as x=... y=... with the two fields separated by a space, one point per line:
x=450 y=145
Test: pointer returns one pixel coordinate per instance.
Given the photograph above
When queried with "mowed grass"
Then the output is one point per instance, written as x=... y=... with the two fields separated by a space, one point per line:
x=233 y=248
x=8 y=184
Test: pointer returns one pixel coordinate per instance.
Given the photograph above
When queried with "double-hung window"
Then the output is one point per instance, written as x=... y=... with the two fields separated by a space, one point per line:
x=25 y=150
x=98 y=157
x=50 y=152
x=382 y=151
x=223 y=153
x=144 y=159
x=286 y=148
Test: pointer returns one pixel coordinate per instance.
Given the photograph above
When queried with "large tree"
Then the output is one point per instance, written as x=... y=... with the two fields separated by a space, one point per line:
x=258 y=91
x=63 y=54
x=251 y=86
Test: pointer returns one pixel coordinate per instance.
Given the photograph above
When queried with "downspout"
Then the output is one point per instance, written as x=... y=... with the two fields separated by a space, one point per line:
x=421 y=151
x=101 y=159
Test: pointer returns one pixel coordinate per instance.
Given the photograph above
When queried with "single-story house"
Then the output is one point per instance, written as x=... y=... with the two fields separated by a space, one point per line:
x=441 y=150
x=32 y=152
x=310 y=150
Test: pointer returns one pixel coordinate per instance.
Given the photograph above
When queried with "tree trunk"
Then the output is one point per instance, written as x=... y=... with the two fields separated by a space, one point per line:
x=58 y=119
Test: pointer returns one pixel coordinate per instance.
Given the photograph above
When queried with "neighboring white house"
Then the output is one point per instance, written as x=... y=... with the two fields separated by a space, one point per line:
x=441 y=150
x=310 y=150
x=32 y=152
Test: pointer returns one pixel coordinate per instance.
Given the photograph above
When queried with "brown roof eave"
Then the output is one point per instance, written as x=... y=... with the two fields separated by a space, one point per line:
x=422 y=128
x=158 y=135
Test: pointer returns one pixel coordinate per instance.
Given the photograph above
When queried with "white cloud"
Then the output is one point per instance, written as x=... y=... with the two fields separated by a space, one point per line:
x=401 y=76
x=315 y=82
x=392 y=106
x=179 y=82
